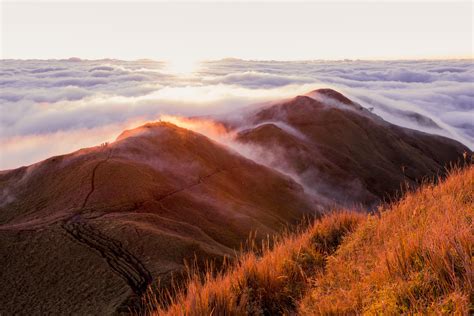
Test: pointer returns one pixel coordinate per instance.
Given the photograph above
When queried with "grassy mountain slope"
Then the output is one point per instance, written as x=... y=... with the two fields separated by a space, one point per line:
x=87 y=232
x=412 y=256
x=343 y=152
x=415 y=257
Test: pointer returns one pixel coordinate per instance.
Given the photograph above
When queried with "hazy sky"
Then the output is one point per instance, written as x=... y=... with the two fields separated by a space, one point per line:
x=182 y=31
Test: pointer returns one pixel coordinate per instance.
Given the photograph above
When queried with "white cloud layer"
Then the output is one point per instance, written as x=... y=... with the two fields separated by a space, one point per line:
x=56 y=106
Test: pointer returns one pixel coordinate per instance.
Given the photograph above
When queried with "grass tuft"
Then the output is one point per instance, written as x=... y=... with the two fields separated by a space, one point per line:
x=268 y=282
x=414 y=256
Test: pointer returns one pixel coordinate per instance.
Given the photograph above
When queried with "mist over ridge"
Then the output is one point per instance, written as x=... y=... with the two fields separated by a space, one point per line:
x=51 y=107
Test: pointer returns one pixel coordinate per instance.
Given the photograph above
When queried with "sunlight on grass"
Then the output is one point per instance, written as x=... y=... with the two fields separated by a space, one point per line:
x=414 y=256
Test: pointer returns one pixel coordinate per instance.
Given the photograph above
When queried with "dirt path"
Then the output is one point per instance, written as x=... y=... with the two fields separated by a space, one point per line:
x=125 y=264
x=199 y=181
x=109 y=154
x=119 y=259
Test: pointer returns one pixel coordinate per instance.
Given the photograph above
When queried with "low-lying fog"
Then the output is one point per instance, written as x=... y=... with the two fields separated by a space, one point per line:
x=57 y=106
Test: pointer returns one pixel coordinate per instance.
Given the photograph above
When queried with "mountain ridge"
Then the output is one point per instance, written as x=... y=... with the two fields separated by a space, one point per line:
x=342 y=139
x=135 y=209
x=133 y=219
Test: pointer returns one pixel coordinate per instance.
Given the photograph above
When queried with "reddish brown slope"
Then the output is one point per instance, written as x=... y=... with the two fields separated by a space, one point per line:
x=344 y=152
x=100 y=224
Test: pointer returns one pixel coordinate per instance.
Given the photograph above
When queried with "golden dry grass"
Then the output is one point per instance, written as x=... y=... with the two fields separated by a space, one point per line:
x=270 y=283
x=414 y=256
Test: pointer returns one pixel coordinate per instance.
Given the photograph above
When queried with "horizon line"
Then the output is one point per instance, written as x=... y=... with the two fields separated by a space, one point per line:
x=77 y=59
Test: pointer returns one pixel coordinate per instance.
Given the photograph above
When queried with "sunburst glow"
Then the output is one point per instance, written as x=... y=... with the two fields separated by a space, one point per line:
x=182 y=66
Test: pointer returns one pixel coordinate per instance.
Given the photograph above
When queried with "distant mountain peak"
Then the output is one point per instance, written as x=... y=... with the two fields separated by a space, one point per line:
x=149 y=128
x=333 y=94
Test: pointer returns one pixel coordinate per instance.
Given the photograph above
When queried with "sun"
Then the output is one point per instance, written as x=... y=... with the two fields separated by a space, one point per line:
x=182 y=66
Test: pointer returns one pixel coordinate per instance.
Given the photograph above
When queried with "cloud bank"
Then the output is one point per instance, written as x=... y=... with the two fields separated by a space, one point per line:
x=51 y=107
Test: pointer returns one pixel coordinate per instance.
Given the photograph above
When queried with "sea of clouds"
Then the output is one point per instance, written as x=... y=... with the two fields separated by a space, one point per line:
x=51 y=107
